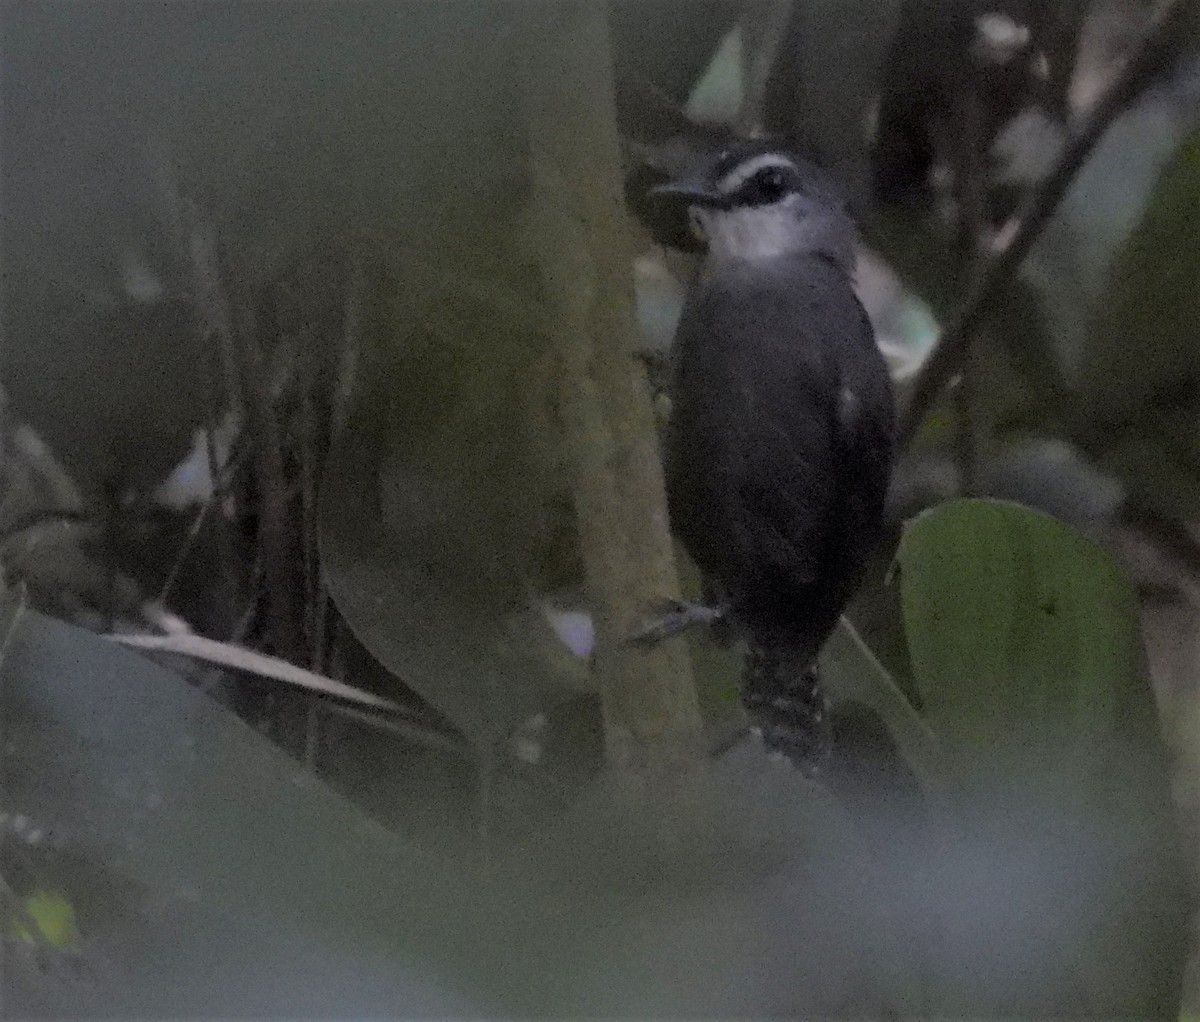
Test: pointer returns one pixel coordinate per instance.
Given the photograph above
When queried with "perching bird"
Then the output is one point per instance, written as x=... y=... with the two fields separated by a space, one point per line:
x=779 y=444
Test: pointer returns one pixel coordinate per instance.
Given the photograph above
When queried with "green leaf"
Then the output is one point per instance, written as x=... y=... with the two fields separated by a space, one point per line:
x=1016 y=622
x=1058 y=886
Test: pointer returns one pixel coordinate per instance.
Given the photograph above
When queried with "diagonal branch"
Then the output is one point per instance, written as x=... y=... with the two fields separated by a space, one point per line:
x=947 y=358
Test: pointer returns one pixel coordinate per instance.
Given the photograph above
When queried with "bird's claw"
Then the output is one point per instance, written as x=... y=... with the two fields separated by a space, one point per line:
x=673 y=619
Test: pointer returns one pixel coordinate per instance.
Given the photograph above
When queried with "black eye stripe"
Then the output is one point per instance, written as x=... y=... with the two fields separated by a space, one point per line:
x=767 y=185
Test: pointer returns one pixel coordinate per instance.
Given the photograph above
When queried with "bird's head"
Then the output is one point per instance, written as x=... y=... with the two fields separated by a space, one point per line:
x=754 y=202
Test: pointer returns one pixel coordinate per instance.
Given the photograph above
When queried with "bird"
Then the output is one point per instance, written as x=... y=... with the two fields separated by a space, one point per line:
x=778 y=448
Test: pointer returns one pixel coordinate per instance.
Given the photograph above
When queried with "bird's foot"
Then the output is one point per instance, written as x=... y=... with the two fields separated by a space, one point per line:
x=675 y=618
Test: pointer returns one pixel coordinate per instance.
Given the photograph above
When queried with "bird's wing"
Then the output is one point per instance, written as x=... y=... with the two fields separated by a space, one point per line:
x=784 y=481
x=813 y=464
x=865 y=440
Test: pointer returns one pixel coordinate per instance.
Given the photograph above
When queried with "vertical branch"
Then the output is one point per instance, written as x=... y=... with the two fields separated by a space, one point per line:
x=650 y=709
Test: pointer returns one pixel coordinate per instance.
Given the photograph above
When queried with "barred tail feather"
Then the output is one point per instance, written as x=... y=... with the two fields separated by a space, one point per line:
x=786 y=703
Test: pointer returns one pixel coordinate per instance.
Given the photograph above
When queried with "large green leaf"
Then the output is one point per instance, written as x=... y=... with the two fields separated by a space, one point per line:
x=1057 y=884
x=1017 y=622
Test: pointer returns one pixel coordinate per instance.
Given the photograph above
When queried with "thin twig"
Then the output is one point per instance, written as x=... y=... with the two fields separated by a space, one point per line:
x=946 y=359
x=239 y=658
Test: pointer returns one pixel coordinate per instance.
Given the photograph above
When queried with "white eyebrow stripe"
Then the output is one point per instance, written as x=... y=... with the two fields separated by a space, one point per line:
x=740 y=174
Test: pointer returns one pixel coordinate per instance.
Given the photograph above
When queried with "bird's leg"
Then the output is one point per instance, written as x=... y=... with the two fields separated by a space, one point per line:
x=674 y=618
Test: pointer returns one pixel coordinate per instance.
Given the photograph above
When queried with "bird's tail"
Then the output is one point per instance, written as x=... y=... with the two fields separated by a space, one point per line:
x=786 y=704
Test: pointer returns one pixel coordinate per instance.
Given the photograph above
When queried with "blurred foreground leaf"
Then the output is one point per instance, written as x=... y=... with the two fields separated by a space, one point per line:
x=212 y=876
x=205 y=872
x=54 y=918
x=1058 y=887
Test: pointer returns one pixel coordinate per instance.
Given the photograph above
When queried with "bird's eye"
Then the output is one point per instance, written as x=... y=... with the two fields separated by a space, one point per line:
x=769 y=185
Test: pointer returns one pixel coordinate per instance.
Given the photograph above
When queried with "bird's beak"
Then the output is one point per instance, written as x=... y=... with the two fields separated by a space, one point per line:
x=692 y=192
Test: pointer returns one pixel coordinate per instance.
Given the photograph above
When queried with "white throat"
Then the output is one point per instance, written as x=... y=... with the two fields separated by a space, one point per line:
x=761 y=233
x=751 y=233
